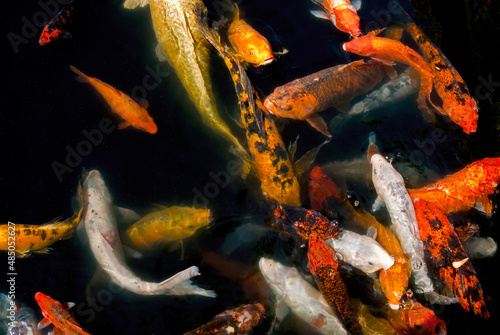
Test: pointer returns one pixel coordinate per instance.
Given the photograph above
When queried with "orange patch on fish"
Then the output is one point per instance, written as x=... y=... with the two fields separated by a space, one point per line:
x=250 y=46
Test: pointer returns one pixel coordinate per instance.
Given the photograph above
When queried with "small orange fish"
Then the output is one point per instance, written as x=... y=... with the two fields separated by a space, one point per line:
x=324 y=266
x=241 y=320
x=56 y=313
x=449 y=257
x=342 y=13
x=465 y=189
x=135 y=115
x=388 y=51
x=458 y=105
x=416 y=319
x=336 y=86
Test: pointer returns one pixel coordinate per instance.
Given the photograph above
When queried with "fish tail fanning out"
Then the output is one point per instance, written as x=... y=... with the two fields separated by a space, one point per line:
x=82 y=77
x=182 y=284
x=131 y=4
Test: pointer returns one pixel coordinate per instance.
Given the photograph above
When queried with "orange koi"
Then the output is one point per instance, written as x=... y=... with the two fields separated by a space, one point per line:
x=241 y=320
x=342 y=13
x=321 y=187
x=464 y=189
x=305 y=223
x=416 y=319
x=389 y=51
x=336 y=86
x=324 y=267
x=449 y=257
x=134 y=114
x=56 y=28
x=56 y=313
x=458 y=105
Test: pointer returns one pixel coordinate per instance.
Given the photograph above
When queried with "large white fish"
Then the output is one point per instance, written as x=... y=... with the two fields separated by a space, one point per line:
x=360 y=251
x=100 y=226
x=302 y=298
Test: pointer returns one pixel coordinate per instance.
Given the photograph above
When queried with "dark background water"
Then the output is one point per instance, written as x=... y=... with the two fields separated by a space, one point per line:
x=45 y=112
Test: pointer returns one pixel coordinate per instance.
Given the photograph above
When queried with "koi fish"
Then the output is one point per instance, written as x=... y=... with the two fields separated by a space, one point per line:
x=133 y=114
x=321 y=187
x=458 y=105
x=449 y=257
x=389 y=51
x=267 y=154
x=56 y=28
x=182 y=45
x=336 y=86
x=301 y=297
x=21 y=322
x=371 y=325
x=167 y=225
x=100 y=226
x=342 y=13
x=324 y=267
x=304 y=223
x=361 y=251
x=38 y=238
x=416 y=319
x=465 y=189
x=241 y=320
x=57 y=314
x=249 y=45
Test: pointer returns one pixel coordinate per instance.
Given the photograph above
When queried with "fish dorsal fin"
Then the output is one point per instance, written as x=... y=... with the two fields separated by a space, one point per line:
x=131 y=4
x=304 y=163
x=372 y=232
x=44 y=323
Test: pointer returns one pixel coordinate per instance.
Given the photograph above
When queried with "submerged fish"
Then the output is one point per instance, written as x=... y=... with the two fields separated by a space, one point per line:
x=371 y=325
x=389 y=51
x=56 y=28
x=238 y=321
x=37 y=238
x=458 y=105
x=133 y=114
x=333 y=87
x=166 y=225
x=100 y=225
x=415 y=319
x=342 y=13
x=181 y=44
x=465 y=189
x=57 y=314
x=324 y=267
x=16 y=318
x=303 y=299
x=449 y=257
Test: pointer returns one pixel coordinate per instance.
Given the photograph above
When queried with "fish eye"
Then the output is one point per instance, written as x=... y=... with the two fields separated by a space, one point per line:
x=371 y=263
x=288 y=107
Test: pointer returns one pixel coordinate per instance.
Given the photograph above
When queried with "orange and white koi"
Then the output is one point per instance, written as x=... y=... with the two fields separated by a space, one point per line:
x=336 y=86
x=57 y=314
x=56 y=28
x=465 y=189
x=389 y=51
x=415 y=319
x=449 y=257
x=324 y=266
x=133 y=114
x=458 y=105
x=342 y=13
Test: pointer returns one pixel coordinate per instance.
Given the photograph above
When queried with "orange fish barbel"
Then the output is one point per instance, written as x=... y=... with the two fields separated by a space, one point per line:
x=134 y=114
x=336 y=86
x=465 y=189
x=449 y=257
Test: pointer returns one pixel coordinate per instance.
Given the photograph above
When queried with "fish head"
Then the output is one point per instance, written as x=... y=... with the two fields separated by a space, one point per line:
x=291 y=101
x=394 y=282
x=274 y=273
x=347 y=20
x=320 y=253
x=362 y=46
x=422 y=320
x=45 y=302
x=190 y=220
x=49 y=35
x=465 y=115
x=251 y=46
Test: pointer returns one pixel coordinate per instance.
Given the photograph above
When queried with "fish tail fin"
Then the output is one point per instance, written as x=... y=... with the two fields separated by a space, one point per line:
x=181 y=283
x=372 y=148
x=131 y=4
x=82 y=77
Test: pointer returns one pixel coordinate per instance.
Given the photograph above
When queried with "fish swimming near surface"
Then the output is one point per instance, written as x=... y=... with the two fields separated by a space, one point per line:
x=37 y=238
x=133 y=114
x=371 y=325
x=466 y=189
x=16 y=318
x=449 y=257
x=57 y=314
x=182 y=45
x=342 y=13
x=57 y=27
x=458 y=105
x=324 y=267
x=241 y=320
x=336 y=86
x=301 y=297
x=100 y=226
x=166 y=225
x=389 y=51
x=415 y=319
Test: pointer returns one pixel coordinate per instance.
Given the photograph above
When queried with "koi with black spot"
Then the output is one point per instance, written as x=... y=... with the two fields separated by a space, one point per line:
x=324 y=266
x=449 y=257
x=56 y=28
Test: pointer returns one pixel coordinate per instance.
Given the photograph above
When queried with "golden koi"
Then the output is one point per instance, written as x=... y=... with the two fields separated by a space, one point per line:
x=134 y=114
x=342 y=13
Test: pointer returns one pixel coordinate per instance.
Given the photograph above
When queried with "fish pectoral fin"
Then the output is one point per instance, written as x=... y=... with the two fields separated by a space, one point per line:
x=131 y=252
x=162 y=55
x=304 y=163
x=484 y=206
x=44 y=323
x=68 y=305
x=44 y=250
x=378 y=204
x=375 y=32
x=319 y=124
x=372 y=232
x=356 y=4
x=123 y=125
x=320 y=14
x=385 y=61
x=391 y=72
x=144 y=103
x=131 y=4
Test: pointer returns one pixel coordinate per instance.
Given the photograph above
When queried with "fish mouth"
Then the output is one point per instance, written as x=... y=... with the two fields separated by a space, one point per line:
x=267 y=61
x=343 y=47
x=269 y=104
